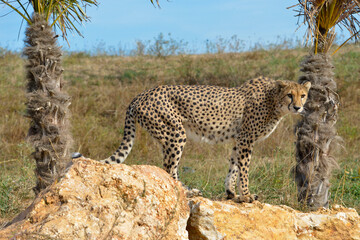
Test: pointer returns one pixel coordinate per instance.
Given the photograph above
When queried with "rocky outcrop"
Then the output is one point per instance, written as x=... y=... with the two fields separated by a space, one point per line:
x=228 y=220
x=100 y=201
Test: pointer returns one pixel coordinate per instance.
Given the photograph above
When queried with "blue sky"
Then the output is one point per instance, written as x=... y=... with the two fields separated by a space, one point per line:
x=121 y=22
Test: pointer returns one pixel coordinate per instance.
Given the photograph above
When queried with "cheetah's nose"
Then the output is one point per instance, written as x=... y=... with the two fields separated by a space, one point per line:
x=296 y=108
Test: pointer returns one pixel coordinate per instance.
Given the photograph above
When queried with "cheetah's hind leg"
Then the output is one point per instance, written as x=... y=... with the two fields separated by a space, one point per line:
x=244 y=198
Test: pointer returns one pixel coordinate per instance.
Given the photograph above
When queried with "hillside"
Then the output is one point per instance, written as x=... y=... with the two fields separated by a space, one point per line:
x=102 y=87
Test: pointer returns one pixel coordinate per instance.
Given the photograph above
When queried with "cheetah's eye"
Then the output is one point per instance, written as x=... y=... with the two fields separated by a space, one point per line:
x=290 y=95
x=303 y=95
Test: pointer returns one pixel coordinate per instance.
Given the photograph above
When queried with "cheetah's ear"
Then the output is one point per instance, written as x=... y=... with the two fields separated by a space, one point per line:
x=280 y=84
x=307 y=85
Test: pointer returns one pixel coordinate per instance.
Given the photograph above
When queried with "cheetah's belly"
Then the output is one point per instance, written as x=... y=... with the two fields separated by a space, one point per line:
x=197 y=137
x=200 y=134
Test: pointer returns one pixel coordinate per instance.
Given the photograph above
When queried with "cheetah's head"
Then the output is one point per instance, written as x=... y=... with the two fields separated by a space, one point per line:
x=293 y=95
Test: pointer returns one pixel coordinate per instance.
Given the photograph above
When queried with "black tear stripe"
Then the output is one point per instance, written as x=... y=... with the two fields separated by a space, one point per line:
x=290 y=103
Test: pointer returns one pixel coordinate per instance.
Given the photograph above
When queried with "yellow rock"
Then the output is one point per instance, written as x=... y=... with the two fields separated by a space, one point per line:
x=228 y=220
x=100 y=201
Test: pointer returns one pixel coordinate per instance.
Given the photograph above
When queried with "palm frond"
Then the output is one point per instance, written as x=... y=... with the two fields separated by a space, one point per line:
x=157 y=2
x=16 y=9
x=322 y=16
x=65 y=15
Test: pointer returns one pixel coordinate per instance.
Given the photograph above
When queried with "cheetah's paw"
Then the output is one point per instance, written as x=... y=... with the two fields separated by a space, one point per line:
x=245 y=199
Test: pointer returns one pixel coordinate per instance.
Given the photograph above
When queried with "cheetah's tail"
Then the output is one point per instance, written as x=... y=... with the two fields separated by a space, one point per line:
x=127 y=142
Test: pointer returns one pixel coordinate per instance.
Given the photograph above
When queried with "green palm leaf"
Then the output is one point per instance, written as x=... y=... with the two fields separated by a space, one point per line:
x=65 y=14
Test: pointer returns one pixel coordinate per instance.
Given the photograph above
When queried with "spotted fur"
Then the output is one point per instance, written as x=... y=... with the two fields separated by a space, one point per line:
x=243 y=114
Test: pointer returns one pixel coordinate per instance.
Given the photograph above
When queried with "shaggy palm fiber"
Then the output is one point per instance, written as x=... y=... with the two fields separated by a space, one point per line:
x=47 y=103
x=316 y=133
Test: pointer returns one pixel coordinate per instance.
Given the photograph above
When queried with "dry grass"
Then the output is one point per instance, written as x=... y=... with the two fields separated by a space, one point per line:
x=102 y=87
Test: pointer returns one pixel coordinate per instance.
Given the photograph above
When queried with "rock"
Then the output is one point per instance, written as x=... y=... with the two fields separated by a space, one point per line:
x=229 y=220
x=100 y=201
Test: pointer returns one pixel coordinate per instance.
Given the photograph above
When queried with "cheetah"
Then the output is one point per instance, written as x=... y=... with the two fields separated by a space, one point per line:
x=244 y=115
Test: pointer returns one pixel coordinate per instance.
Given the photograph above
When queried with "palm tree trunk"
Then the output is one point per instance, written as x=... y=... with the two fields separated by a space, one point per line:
x=47 y=103
x=316 y=132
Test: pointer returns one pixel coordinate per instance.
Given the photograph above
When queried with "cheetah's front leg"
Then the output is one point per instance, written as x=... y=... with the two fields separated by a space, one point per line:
x=239 y=172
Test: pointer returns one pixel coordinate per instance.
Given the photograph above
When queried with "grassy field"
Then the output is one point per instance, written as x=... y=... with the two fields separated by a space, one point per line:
x=102 y=87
